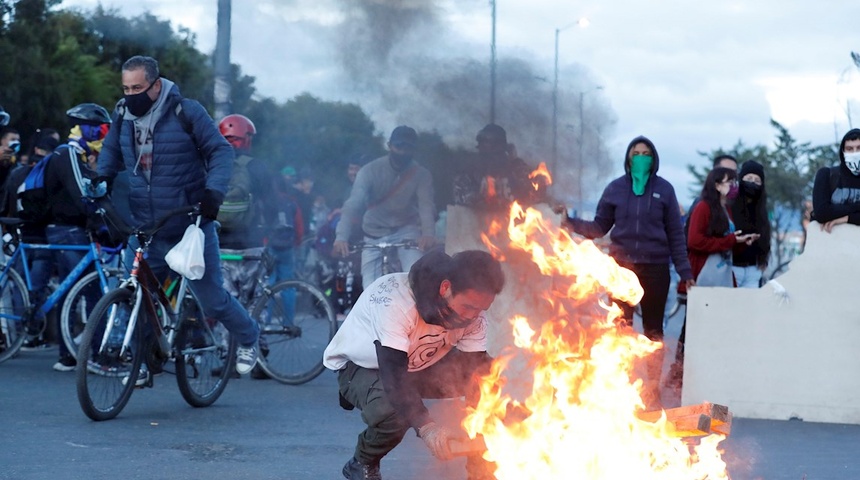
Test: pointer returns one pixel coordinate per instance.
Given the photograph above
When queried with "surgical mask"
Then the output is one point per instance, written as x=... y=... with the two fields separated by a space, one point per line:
x=139 y=103
x=852 y=161
x=752 y=189
x=640 y=170
x=733 y=191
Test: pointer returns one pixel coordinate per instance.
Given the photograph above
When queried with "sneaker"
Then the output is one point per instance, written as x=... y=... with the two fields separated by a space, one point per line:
x=144 y=379
x=66 y=363
x=353 y=470
x=246 y=358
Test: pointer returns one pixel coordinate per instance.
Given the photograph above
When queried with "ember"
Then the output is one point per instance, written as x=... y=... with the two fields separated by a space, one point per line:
x=582 y=414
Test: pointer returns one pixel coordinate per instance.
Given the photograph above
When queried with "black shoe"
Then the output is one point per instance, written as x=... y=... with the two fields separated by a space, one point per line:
x=258 y=373
x=353 y=470
x=66 y=363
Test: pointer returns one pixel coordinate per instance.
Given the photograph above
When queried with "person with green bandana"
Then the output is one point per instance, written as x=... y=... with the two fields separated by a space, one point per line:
x=641 y=210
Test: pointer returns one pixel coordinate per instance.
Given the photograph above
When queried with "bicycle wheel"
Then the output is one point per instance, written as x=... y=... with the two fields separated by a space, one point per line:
x=107 y=377
x=296 y=323
x=79 y=303
x=14 y=303
x=205 y=355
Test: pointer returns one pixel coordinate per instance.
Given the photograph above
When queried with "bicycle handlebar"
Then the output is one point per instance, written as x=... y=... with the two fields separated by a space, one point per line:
x=148 y=231
x=357 y=247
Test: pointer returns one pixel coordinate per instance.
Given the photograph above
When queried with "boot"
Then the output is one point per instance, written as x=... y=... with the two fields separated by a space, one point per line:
x=354 y=470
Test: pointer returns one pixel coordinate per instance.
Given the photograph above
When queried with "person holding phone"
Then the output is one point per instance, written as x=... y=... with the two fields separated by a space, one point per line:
x=750 y=215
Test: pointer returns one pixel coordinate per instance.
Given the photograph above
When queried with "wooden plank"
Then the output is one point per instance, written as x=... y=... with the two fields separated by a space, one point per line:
x=692 y=426
x=466 y=446
x=722 y=427
x=715 y=411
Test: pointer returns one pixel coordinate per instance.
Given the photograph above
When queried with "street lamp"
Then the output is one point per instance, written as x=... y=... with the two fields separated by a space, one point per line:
x=582 y=22
x=580 y=166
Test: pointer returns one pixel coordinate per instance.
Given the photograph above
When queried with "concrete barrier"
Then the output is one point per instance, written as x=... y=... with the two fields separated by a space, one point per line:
x=768 y=357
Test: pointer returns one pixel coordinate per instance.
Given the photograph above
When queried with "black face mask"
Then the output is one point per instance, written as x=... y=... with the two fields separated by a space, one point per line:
x=400 y=160
x=752 y=190
x=139 y=103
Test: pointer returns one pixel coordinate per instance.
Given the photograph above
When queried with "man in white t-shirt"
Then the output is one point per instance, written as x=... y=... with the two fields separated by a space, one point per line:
x=409 y=337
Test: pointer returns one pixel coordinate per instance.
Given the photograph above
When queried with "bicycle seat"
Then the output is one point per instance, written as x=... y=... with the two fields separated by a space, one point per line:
x=11 y=221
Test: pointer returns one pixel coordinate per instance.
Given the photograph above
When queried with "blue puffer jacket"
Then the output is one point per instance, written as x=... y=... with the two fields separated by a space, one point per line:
x=181 y=168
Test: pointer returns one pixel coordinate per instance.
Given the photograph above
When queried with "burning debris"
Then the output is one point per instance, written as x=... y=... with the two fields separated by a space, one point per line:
x=582 y=414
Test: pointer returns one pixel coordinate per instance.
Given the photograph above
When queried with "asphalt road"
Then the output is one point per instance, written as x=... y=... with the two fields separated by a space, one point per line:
x=260 y=429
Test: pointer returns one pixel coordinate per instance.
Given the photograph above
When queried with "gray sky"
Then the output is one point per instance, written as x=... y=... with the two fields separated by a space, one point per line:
x=690 y=75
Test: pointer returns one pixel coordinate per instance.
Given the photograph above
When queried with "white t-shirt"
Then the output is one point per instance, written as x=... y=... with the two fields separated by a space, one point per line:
x=386 y=311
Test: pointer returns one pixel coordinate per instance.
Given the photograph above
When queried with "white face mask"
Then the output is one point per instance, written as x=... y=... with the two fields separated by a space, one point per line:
x=852 y=161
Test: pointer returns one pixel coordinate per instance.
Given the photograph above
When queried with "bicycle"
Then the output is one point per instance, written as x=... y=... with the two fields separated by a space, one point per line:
x=296 y=319
x=19 y=320
x=139 y=321
x=388 y=251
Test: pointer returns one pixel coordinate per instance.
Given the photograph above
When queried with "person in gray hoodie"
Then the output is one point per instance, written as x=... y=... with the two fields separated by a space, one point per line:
x=641 y=210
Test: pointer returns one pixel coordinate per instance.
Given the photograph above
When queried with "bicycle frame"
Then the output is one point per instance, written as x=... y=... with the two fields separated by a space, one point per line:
x=92 y=257
x=144 y=283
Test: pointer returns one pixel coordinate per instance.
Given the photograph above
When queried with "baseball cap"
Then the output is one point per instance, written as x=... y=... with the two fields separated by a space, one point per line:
x=403 y=137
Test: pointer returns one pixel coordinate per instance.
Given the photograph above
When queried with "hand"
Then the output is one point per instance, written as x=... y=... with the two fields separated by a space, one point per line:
x=340 y=248
x=828 y=227
x=436 y=437
x=690 y=284
x=426 y=243
x=559 y=209
x=211 y=203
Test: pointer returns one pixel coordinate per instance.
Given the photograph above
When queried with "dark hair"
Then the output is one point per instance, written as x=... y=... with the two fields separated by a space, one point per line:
x=750 y=214
x=853 y=134
x=476 y=270
x=720 y=158
x=6 y=131
x=148 y=64
x=719 y=223
x=467 y=270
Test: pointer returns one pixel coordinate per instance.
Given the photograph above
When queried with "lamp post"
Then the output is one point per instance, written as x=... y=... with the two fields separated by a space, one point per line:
x=582 y=22
x=581 y=164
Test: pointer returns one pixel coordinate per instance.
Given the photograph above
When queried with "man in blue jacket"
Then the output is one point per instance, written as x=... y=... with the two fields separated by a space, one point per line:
x=176 y=157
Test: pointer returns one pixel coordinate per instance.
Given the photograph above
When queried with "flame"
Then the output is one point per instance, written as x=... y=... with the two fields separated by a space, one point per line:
x=540 y=171
x=576 y=417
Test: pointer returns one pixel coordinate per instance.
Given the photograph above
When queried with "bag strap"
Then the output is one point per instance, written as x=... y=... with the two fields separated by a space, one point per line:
x=396 y=187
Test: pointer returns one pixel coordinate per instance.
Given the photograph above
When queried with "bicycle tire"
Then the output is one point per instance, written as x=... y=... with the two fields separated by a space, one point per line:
x=14 y=303
x=288 y=355
x=79 y=304
x=106 y=378
x=205 y=355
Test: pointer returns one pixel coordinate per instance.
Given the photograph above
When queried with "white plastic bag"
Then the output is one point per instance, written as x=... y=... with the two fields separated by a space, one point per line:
x=186 y=257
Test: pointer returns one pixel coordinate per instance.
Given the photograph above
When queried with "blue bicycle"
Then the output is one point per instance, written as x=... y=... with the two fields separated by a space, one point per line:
x=20 y=320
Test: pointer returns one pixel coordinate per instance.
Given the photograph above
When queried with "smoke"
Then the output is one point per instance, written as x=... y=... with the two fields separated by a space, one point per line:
x=405 y=65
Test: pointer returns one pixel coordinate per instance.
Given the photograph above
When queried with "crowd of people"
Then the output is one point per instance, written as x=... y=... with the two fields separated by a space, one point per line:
x=417 y=334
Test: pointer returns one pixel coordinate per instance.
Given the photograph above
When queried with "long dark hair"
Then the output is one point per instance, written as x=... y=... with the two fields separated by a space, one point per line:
x=719 y=223
x=750 y=215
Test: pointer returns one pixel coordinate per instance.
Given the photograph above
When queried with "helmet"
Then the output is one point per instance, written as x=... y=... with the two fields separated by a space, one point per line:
x=238 y=130
x=4 y=117
x=88 y=114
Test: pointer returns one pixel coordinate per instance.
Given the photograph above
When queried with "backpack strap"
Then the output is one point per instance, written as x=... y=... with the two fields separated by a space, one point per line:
x=834 y=179
x=396 y=187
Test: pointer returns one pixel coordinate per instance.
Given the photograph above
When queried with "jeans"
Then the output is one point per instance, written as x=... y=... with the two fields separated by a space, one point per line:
x=371 y=258
x=66 y=259
x=747 y=277
x=284 y=269
x=217 y=303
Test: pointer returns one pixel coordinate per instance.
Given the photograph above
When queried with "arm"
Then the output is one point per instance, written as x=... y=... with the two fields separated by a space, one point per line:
x=675 y=234
x=401 y=392
x=604 y=219
x=216 y=152
x=354 y=206
x=699 y=240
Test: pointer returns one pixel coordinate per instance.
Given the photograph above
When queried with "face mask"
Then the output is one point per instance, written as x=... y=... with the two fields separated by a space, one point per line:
x=400 y=160
x=752 y=189
x=733 y=192
x=140 y=103
x=852 y=161
x=640 y=170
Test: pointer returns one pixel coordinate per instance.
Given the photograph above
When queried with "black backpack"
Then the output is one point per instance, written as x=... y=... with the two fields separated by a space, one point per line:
x=32 y=196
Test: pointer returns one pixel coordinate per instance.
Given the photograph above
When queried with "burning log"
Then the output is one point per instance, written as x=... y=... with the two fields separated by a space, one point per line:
x=695 y=420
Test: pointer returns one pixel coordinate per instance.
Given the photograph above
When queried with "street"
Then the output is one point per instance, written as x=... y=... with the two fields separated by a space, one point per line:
x=260 y=429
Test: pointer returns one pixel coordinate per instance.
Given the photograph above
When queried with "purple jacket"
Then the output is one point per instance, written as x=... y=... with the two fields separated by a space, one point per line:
x=647 y=228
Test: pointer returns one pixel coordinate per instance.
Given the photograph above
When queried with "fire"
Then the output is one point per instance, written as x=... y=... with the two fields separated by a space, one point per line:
x=540 y=171
x=577 y=417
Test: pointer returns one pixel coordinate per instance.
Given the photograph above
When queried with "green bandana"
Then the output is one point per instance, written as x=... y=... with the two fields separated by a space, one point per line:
x=640 y=170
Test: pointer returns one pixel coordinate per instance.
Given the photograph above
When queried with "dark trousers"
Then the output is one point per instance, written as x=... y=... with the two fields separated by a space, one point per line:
x=451 y=377
x=655 y=279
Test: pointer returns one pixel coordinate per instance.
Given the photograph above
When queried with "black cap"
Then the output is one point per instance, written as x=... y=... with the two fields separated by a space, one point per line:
x=751 y=166
x=403 y=137
x=492 y=133
x=46 y=141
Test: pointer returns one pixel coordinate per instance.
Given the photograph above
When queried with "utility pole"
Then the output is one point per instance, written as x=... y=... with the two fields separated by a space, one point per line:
x=493 y=66
x=221 y=93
